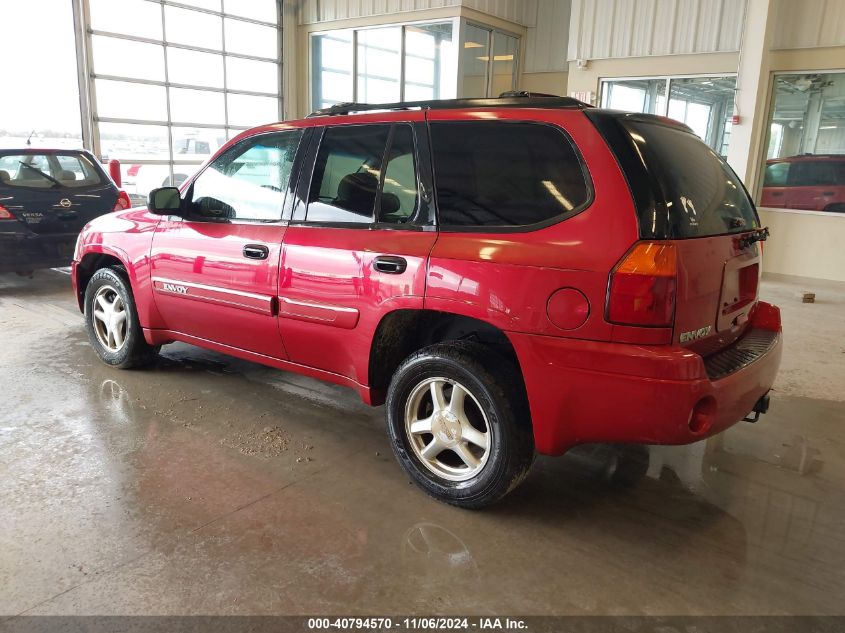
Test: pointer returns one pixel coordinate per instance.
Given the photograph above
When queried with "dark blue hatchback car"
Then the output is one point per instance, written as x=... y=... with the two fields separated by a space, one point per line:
x=46 y=197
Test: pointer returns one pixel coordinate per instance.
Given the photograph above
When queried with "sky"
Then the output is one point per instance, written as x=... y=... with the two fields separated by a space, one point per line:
x=40 y=88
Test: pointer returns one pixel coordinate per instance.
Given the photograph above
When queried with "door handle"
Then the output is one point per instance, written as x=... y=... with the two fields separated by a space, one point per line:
x=390 y=264
x=256 y=251
x=777 y=193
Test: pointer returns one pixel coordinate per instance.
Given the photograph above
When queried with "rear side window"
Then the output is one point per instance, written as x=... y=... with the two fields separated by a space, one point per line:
x=503 y=174
x=347 y=174
x=696 y=193
x=399 y=196
x=817 y=173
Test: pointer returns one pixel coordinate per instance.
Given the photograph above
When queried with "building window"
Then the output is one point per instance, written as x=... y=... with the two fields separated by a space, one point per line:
x=332 y=56
x=804 y=167
x=488 y=62
x=171 y=83
x=705 y=104
x=412 y=62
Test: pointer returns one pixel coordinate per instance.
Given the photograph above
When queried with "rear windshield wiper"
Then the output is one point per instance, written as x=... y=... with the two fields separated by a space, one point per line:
x=41 y=173
x=760 y=235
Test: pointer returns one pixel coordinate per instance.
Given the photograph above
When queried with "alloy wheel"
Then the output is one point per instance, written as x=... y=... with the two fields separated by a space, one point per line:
x=110 y=318
x=447 y=429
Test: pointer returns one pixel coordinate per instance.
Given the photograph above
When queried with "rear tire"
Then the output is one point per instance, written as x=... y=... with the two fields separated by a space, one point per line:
x=111 y=321
x=469 y=449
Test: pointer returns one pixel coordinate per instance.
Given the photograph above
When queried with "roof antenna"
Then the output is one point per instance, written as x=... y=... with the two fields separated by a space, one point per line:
x=28 y=138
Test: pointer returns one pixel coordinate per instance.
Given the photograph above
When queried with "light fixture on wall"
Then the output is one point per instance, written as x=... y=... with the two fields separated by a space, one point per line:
x=581 y=64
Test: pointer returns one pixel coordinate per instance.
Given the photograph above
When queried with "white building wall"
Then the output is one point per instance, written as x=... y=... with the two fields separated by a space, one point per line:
x=809 y=24
x=519 y=11
x=315 y=11
x=603 y=29
x=547 y=37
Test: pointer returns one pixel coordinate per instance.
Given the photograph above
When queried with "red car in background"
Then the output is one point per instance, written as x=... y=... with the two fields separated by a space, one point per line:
x=509 y=276
x=814 y=182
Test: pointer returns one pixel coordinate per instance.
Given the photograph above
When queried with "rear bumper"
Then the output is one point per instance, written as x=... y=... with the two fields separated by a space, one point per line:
x=585 y=391
x=30 y=251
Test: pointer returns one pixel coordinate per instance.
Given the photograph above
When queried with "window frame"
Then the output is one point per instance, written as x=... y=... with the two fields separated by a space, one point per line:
x=423 y=217
x=758 y=170
x=302 y=145
x=526 y=228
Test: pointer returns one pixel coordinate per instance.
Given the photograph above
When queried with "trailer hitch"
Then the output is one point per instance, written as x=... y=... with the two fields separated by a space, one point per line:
x=761 y=407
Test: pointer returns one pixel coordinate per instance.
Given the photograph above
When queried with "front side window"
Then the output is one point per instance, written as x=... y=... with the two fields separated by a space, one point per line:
x=502 y=174
x=347 y=174
x=776 y=175
x=248 y=181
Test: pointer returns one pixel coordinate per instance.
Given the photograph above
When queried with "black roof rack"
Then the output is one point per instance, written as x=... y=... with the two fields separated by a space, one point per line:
x=519 y=99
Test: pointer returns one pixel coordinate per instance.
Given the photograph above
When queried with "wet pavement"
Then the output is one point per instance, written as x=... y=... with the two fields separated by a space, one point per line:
x=208 y=485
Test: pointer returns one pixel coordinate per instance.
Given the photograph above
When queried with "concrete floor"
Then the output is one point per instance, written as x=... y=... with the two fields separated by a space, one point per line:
x=209 y=485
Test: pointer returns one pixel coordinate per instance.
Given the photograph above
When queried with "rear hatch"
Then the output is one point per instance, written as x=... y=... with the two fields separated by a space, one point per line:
x=52 y=193
x=688 y=195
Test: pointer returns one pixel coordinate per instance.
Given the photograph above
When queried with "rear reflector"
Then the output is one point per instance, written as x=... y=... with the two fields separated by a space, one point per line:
x=122 y=201
x=643 y=285
x=701 y=418
x=5 y=214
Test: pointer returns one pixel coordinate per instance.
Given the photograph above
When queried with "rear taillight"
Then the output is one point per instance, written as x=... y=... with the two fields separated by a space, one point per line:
x=122 y=201
x=5 y=214
x=133 y=170
x=642 y=286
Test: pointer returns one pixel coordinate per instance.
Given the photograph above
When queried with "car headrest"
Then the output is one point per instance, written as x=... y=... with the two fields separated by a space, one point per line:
x=28 y=174
x=4 y=176
x=357 y=192
x=209 y=207
x=67 y=175
x=389 y=203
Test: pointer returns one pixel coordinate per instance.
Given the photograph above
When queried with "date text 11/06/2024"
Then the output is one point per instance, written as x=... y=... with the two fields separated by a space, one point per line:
x=417 y=623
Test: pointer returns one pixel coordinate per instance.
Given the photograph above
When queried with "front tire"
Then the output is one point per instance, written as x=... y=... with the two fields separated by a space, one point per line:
x=111 y=321
x=459 y=424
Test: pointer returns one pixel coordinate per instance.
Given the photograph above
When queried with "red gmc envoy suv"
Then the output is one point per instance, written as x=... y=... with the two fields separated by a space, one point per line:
x=510 y=276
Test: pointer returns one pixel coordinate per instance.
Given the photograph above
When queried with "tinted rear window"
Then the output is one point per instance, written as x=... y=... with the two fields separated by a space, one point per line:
x=48 y=171
x=697 y=193
x=503 y=174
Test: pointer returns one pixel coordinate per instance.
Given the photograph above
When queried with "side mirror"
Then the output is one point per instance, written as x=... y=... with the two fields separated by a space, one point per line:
x=165 y=201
